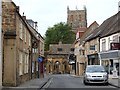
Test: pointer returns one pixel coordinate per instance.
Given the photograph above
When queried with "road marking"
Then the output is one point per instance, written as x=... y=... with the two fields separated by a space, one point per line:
x=47 y=84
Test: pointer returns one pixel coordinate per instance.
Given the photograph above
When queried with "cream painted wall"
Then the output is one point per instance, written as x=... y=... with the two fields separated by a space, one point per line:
x=107 y=41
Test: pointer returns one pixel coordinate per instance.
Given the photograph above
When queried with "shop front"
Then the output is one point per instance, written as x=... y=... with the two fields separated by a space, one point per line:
x=111 y=61
x=93 y=59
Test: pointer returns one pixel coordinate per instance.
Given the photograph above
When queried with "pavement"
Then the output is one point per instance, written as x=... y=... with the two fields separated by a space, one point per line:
x=112 y=81
x=34 y=84
x=115 y=82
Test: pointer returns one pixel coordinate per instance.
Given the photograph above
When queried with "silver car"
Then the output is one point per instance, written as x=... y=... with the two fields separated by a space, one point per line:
x=95 y=74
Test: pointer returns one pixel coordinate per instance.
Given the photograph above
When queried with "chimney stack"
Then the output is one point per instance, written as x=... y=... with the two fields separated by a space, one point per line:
x=24 y=17
x=18 y=8
x=36 y=27
x=118 y=6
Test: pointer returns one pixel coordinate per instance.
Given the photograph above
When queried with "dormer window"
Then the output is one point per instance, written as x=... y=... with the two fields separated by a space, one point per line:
x=59 y=49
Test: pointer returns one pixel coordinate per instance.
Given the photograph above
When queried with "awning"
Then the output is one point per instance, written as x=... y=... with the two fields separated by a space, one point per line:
x=91 y=56
x=111 y=54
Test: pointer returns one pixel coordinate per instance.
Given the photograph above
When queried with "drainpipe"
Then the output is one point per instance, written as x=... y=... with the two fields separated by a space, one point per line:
x=0 y=44
x=100 y=58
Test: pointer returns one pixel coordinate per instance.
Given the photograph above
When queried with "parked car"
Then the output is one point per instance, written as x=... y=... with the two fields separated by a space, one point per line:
x=95 y=74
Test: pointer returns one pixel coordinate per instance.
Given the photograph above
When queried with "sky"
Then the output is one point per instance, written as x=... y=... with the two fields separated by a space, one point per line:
x=50 y=12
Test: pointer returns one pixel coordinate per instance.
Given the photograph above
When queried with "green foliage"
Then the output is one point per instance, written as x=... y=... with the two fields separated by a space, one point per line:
x=59 y=32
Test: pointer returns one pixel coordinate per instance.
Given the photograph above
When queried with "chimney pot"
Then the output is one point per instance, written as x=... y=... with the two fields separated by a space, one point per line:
x=18 y=8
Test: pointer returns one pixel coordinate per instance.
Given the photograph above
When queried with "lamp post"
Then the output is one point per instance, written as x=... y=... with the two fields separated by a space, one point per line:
x=0 y=43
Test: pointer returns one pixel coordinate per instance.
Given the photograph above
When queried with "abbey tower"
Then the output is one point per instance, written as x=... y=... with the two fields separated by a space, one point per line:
x=77 y=18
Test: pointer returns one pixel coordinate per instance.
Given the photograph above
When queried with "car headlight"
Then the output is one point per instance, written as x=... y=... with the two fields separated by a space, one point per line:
x=87 y=75
x=105 y=75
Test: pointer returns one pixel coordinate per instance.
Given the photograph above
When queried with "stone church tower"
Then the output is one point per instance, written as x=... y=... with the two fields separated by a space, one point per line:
x=77 y=18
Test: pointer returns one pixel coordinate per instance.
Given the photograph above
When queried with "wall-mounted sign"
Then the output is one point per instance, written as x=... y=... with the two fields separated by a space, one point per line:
x=115 y=46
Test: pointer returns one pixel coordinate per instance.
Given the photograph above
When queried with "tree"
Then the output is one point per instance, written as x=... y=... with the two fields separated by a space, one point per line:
x=59 y=32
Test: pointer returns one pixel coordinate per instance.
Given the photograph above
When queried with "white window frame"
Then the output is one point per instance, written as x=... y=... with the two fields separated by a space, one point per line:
x=115 y=38
x=103 y=44
x=108 y=43
x=29 y=40
x=36 y=66
x=25 y=34
x=26 y=64
x=33 y=66
x=21 y=30
x=20 y=63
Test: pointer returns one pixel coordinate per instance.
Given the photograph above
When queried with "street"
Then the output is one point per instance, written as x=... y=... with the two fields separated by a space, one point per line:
x=69 y=81
x=59 y=82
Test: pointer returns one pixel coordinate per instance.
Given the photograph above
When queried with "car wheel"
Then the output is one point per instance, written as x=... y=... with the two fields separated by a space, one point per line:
x=106 y=83
x=85 y=83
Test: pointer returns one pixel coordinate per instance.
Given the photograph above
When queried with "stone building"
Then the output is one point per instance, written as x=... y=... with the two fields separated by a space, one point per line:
x=41 y=55
x=77 y=18
x=37 y=50
x=110 y=46
x=99 y=46
x=20 y=47
x=57 y=58
x=103 y=44
x=82 y=48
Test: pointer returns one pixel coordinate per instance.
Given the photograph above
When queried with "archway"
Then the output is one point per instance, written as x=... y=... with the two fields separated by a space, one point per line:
x=57 y=67
x=49 y=67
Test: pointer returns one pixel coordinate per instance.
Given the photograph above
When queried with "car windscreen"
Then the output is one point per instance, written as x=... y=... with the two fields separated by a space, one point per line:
x=95 y=69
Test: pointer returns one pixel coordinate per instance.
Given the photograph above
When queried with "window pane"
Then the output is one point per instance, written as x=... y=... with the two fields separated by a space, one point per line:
x=59 y=49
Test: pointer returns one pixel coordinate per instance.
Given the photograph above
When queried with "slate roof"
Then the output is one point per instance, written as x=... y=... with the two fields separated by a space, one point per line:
x=31 y=29
x=108 y=27
x=113 y=27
